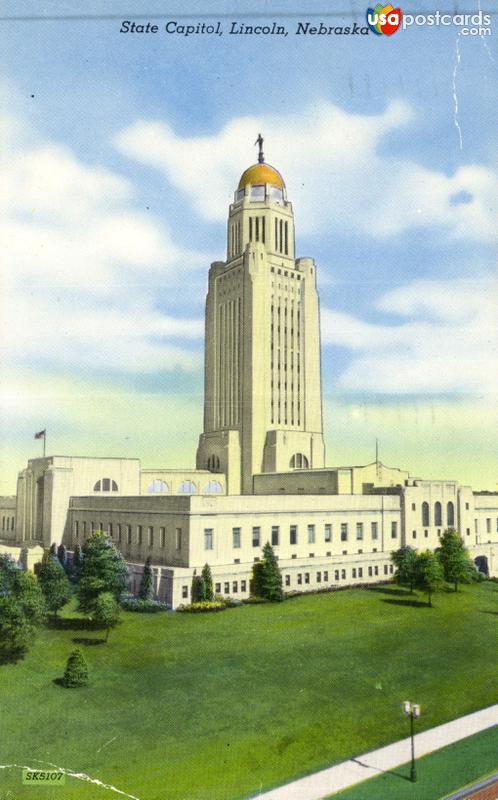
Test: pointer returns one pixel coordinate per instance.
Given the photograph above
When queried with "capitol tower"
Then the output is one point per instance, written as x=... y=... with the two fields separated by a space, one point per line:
x=262 y=385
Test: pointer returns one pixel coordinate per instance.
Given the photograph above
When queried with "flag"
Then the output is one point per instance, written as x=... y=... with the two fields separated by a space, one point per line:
x=40 y=434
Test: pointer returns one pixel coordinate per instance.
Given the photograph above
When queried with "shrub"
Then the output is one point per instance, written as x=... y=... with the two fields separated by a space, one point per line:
x=76 y=673
x=143 y=606
x=202 y=607
x=253 y=600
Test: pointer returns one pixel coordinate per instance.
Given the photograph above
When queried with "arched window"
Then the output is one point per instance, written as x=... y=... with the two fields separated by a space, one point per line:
x=425 y=515
x=450 y=515
x=106 y=485
x=213 y=487
x=157 y=485
x=187 y=487
x=437 y=514
x=213 y=464
x=299 y=461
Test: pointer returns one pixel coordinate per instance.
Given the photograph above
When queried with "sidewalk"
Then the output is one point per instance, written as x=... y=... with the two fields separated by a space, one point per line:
x=348 y=773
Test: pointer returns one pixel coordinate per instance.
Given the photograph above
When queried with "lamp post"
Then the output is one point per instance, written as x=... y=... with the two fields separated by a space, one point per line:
x=412 y=710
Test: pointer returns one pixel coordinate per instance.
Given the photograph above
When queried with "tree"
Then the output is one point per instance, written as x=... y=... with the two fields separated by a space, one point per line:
x=53 y=551
x=62 y=555
x=103 y=570
x=16 y=632
x=54 y=584
x=405 y=561
x=26 y=590
x=146 y=589
x=197 y=589
x=76 y=564
x=106 y=611
x=267 y=578
x=429 y=574
x=455 y=560
x=76 y=673
x=207 y=583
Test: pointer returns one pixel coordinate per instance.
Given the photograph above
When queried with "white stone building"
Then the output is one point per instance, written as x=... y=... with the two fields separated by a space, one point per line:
x=261 y=472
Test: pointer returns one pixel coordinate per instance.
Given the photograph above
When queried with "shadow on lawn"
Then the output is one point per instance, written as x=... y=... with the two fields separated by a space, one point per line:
x=87 y=640
x=396 y=592
x=414 y=603
x=486 y=611
x=72 y=624
x=382 y=771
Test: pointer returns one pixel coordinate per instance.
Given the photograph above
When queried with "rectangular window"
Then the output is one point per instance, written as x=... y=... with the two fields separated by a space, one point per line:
x=299 y=579
x=178 y=539
x=325 y=576
x=236 y=538
x=208 y=538
x=293 y=534
x=476 y=525
x=328 y=533
x=311 y=534
x=466 y=506
x=256 y=537
x=370 y=572
x=386 y=568
x=394 y=530
x=488 y=525
x=217 y=588
x=336 y=575
x=426 y=534
x=119 y=533
x=128 y=534
x=318 y=577
x=235 y=587
x=92 y=526
x=343 y=574
x=391 y=568
x=360 y=572
x=306 y=577
x=287 y=580
x=344 y=531
x=139 y=534
x=468 y=531
x=76 y=530
x=162 y=537
x=83 y=526
x=354 y=572
x=109 y=530
x=414 y=507
x=243 y=586
x=101 y=526
x=150 y=534
x=359 y=530
x=227 y=588
x=274 y=535
x=184 y=591
x=374 y=530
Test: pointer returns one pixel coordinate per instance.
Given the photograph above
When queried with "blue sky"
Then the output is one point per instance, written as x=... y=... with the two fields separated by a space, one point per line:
x=123 y=151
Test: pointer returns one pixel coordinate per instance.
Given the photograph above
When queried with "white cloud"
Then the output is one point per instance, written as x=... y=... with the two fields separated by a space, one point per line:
x=79 y=265
x=447 y=341
x=337 y=174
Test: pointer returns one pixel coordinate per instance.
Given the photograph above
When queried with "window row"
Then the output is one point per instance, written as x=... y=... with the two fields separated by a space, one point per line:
x=8 y=523
x=311 y=534
x=189 y=487
x=127 y=534
x=438 y=514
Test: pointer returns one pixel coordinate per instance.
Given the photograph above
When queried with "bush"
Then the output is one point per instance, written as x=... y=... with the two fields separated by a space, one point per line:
x=76 y=673
x=203 y=607
x=253 y=600
x=143 y=606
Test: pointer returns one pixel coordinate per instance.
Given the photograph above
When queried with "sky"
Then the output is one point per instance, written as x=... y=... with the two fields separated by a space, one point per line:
x=120 y=155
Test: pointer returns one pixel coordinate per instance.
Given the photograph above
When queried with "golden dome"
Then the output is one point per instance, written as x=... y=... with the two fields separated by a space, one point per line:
x=260 y=174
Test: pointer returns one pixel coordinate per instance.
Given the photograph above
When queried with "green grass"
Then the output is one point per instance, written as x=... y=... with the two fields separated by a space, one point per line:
x=438 y=775
x=215 y=707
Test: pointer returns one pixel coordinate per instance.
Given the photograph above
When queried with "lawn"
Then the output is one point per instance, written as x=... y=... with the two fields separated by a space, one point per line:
x=438 y=775
x=216 y=707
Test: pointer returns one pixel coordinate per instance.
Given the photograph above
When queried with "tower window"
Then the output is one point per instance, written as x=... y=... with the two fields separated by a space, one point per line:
x=299 y=461
x=106 y=485
x=157 y=485
x=437 y=514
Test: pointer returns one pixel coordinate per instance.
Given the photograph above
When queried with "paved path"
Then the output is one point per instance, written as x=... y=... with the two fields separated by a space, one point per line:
x=484 y=790
x=348 y=773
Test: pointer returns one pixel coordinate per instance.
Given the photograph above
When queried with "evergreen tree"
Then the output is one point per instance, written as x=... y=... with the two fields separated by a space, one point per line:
x=106 y=611
x=26 y=591
x=267 y=578
x=16 y=633
x=62 y=555
x=207 y=583
x=8 y=572
x=197 y=589
x=21 y=608
x=146 y=589
x=76 y=673
x=54 y=584
x=405 y=561
x=429 y=576
x=103 y=570
x=455 y=560
x=76 y=564
x=53 y=551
